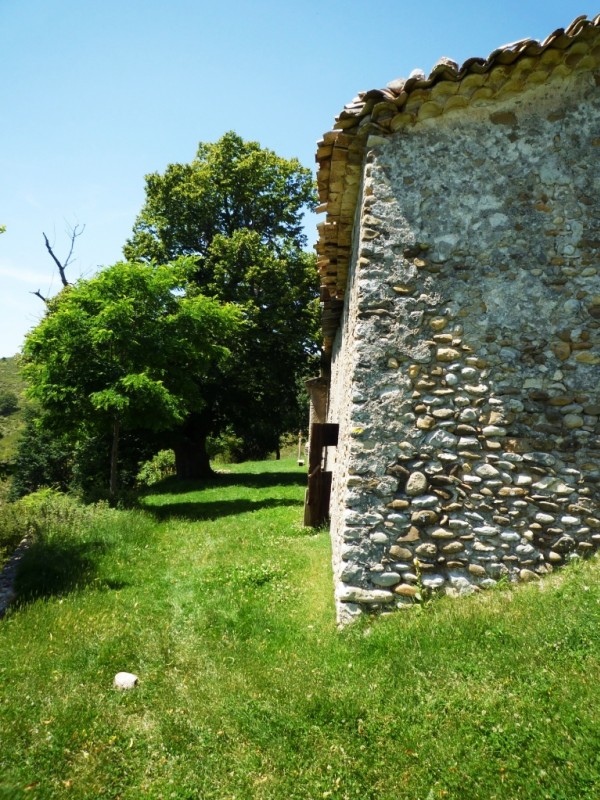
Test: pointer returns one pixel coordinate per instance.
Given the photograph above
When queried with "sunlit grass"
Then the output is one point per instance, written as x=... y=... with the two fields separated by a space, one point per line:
x=222 y=604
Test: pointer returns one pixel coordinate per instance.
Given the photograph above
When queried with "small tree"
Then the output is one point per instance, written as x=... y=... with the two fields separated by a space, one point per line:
x=117 y=352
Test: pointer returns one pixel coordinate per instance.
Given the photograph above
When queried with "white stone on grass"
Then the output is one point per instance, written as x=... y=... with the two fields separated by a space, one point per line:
x=125 y=680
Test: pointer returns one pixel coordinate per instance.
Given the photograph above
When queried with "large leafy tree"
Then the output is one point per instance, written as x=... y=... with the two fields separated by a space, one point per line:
x=236 y=210
x=127 y=351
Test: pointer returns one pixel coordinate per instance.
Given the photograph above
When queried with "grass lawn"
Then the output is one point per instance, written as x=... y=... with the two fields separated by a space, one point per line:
x=222 y=604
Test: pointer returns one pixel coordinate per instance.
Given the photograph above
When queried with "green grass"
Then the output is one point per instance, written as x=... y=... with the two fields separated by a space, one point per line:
x=222 y=604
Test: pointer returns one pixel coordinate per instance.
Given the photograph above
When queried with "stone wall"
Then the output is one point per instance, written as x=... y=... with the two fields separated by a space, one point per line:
x=464 y=375
x=342 y=394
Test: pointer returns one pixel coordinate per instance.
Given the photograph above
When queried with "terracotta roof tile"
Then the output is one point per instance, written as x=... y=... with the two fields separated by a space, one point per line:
x=405 y=101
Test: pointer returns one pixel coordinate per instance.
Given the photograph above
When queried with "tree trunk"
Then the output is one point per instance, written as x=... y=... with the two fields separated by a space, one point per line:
x=191 y=459
x=114 y=458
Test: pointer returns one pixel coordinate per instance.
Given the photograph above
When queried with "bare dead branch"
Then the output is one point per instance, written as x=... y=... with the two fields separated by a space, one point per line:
x=75 y=233
x=41 y=296
x=62 y=267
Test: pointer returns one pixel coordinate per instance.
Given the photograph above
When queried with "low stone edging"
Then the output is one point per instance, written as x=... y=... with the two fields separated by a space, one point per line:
x=9 y=574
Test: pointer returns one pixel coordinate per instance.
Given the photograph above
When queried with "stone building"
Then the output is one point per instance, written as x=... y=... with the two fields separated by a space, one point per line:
x=459 y=420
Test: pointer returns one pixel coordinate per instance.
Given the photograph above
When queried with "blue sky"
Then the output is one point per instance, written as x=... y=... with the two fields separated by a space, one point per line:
x=94 y=95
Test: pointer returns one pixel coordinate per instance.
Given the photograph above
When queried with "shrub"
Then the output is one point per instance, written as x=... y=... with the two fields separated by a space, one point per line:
x=42 y=514
x=227 y=447
x=157 y=468
x=9 y=403
x=42 y=459
x=48 y=511
x=14 y=525
x=46 y=457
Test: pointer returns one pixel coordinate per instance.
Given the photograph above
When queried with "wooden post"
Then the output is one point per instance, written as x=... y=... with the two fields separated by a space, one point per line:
x=316 y=510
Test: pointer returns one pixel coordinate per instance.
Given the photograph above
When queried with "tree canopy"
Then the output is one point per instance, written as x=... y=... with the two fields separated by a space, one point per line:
x=127 y=350
x=236 y=210
x=209 y=327
x=231 y=185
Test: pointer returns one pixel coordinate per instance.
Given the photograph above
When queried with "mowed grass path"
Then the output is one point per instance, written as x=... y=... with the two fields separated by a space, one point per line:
x=222 y=604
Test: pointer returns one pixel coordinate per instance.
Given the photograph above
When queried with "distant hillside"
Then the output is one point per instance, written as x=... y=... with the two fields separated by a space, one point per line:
x=12 y=388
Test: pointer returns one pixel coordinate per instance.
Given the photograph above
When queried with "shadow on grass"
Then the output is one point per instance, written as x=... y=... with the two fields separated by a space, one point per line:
x=57 y=568
x=215 y=509
x=198 y=512
x=262 y=480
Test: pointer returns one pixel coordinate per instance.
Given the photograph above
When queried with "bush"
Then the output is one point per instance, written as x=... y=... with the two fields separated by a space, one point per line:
x=65 y=538
x=157 y=468
x=49 y=511
x=9 y=403
x=46 y=457
x=42 y=459
x=42 y=514
x=227 y=447
x=14 y=525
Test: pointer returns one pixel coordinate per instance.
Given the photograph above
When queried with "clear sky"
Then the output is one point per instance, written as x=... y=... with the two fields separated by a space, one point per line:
x=94 y=95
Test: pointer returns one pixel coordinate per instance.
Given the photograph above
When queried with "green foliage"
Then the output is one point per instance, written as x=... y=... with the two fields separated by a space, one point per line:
x=43 y=458
x=117 y=352
x=14 y=525
x=156 y=469
x=231 y=185
x=237 y=211
x=226 y=447
x=276 y=292
x=122 y=344
x=91 y=463
x=59 y=529
x=223 y=605
x=12 y=414
x=12 y=385
x=42 y=515
x=9 y=403
x=49 y=458
x=49 y=511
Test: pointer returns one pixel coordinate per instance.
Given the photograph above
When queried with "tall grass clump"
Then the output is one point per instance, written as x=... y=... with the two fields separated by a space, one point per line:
x=59 y=529
x=14 y=526
x=38 y=517
x=67 y=538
